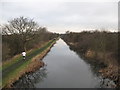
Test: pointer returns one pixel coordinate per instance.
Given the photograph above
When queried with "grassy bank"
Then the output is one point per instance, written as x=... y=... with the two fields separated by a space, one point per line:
x=31 y=64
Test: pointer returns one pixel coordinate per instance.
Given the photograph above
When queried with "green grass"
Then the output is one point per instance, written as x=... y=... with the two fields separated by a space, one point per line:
x=30 y=55
x=14 y=73
x=14 y=60
x=19 y=57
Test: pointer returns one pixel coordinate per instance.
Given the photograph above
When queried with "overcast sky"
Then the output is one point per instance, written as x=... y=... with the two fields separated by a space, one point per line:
x=60 y=16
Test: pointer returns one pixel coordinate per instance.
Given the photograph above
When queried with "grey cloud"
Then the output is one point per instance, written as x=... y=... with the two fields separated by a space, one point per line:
x=60 y=16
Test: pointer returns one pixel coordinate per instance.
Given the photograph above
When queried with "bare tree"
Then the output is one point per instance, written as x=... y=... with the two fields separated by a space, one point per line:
x=24 y=29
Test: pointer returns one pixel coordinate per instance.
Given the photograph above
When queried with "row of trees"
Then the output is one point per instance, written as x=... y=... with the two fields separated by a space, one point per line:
x=22 y=34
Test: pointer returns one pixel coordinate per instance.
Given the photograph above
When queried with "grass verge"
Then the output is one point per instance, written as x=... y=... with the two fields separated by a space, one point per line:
x=31 y=64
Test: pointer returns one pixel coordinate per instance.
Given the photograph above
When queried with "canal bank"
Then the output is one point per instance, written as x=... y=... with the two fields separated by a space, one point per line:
x=19 y=67
x=63 y=69
x=107 y=69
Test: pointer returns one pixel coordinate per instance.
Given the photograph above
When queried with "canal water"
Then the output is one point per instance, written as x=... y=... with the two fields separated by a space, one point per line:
x=63 y=69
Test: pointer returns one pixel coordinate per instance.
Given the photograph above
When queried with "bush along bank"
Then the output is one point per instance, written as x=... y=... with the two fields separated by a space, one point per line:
x=107 y=70
x=97 y=47
x=32 y=63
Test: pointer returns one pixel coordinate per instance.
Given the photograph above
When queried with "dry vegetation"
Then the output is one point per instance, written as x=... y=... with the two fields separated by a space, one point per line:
x=100 y=47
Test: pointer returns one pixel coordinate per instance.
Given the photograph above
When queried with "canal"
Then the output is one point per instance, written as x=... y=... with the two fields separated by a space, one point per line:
x=63 y=69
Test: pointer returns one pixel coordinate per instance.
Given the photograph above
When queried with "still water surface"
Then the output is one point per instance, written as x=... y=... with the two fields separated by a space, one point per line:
x=63 y=69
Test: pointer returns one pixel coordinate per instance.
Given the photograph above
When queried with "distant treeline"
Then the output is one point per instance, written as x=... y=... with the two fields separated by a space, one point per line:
x=22 y=34
x=104 y=44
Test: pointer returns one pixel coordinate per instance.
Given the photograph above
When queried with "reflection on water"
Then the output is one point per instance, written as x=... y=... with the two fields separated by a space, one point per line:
x=95 y=67
x=65 y=69
x=29 y=80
